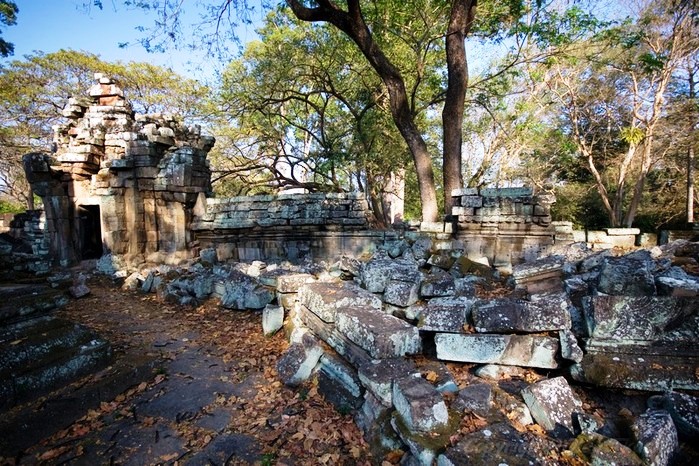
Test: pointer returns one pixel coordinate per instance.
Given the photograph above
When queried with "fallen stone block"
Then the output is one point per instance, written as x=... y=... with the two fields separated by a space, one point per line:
x=339 y=384
x=511 y=406
x=676 y=282
x=544 y=275
x=380 y=334
x=439 y=376
x=638 y=368
x=437 y=285
x=241 y=292
x=300 y=359
x=570 y=349
x=630 y=275
x=655 y=437
x=630 y=318
x=496 y=444
x=402 y=293
x=516 y=350
x=552 y=403
x=79 y=290
x=379 y=375
x=376 y=273
x=449 y=314
x=506 y=315
x=476 y=398
x=327 y=332
x=597 y=449
x=683 y=408
x=272 y=319
x=324 y=299
x=442 y=260
x=292 y=282
x=375 y=421
x=419 y=405
x=132 y=282
x=465 y=266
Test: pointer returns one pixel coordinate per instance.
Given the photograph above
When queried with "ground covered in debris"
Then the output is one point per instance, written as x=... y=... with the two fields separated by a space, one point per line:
x=212 y=396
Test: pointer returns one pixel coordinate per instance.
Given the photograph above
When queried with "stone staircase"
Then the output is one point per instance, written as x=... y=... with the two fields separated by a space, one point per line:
x=39 y=352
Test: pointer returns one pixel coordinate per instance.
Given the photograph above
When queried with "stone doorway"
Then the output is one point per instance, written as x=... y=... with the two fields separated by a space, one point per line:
x=90 y=232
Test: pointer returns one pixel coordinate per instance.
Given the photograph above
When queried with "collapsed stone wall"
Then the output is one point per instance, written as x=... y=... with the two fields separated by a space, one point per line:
x=505 y=225
x=136 y=186
x=131 y=181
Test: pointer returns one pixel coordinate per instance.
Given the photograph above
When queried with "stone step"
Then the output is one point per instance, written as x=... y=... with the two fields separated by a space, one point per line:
x=25 y=426
x=25 y=301
x=70 y=366
x=48 y=340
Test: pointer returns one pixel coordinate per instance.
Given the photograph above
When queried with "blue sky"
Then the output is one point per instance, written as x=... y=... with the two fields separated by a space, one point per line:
x=51 y=25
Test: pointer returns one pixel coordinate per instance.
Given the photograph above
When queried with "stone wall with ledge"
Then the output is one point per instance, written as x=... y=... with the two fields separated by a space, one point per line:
x=294 y=227
x=505 y=225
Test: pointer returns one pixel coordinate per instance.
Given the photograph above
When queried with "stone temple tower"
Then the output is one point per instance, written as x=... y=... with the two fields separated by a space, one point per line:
x=120 y=183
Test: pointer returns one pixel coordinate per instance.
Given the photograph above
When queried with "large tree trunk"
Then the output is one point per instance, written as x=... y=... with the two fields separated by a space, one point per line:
x=690 y=152
x=461 y=18
x=352 y=23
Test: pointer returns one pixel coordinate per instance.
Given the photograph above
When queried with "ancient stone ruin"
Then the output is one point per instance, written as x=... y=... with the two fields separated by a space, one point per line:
x=382 y=318
x=119 y=182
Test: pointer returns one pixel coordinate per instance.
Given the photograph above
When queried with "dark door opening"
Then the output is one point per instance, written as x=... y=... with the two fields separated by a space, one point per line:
x=91 y=232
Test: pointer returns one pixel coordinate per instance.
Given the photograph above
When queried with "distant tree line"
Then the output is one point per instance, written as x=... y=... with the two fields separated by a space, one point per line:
x=374 y=96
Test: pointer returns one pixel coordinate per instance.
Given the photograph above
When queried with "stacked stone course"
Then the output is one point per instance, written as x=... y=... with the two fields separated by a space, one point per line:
x=506 y=225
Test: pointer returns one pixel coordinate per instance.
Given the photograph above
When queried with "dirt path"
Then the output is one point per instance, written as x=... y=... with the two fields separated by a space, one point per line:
x=212 y=396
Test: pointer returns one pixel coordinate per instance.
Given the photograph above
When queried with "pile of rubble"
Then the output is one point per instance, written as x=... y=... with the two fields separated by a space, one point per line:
x=381 y=336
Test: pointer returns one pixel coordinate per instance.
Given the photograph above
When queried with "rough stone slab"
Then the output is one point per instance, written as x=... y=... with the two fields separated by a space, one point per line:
x=401 y=293
x=380 y=334
x=422 y=449
x=300 y=359
x=464 y=192
x=438 y=285
x=378 y=376
x=684 y=409
x=516 y=350
x=638 y=369
x=544 y=275
x=570 y=349
x=448 y=314
x=630 y=275
x=329 y=334
x=439 y=376
x=505 y=315
x=338 y=383
x=523 y=191
x=292 y=282
x=497 y=444
x=655 y=437
x=376 y=273
x=629 y=318
x=498 y=372
x=552 y=403
x=512 y=407
x=324 y=299
x=419 y=404
x=622 y=231
x=597 y=449
x=272 y=319
x=242 y=292
x=476 y=398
